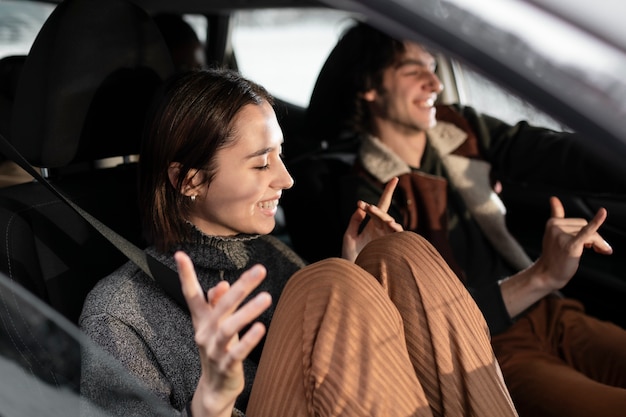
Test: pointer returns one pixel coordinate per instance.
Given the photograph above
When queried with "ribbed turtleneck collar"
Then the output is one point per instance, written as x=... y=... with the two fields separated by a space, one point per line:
x=215 y=252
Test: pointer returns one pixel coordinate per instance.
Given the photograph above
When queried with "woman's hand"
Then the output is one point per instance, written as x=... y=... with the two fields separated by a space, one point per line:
x=378 y=224
x=217 y=321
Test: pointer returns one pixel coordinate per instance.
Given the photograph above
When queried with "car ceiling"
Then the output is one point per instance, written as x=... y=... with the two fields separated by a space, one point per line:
x=596 y=121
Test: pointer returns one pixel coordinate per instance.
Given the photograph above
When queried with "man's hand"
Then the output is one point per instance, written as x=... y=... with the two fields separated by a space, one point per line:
x=564 y=241
x=379 y=223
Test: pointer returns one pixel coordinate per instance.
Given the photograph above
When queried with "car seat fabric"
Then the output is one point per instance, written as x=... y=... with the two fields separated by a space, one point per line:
x=81 y=44
x=10 y=70
x=82 y=96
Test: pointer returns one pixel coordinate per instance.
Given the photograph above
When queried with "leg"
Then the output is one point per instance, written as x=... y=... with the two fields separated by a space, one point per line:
x=447 y=337
x=558 y=361
x=335 y=347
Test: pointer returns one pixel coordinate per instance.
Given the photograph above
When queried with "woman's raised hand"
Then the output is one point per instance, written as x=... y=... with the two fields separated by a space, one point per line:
x=217 y=320
x=380 y=223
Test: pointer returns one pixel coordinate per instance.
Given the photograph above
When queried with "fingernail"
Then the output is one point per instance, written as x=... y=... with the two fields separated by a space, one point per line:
x=262 y=298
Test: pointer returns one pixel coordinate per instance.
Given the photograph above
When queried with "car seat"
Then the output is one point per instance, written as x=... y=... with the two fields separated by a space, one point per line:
x=10 y=69
x=81 y=98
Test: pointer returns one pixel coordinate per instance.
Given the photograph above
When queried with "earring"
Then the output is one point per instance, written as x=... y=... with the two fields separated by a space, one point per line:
x=193 y=198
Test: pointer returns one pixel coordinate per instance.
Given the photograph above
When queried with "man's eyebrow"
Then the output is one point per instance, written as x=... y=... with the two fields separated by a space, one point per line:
x=419 y=62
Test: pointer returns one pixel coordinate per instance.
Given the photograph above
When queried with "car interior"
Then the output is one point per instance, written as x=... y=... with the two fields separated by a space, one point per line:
x=76 y=103
x=73 y=108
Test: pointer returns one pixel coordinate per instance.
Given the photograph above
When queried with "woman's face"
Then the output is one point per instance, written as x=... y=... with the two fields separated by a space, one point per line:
x=250 y=177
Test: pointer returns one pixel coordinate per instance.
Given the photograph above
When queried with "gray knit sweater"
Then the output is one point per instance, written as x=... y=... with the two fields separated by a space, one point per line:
x=133 y=319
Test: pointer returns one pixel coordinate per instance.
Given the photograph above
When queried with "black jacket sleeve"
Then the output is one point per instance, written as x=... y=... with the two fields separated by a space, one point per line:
x=527 y=154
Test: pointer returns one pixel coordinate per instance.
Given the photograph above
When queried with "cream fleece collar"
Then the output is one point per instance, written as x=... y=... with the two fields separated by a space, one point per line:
x=469 y=176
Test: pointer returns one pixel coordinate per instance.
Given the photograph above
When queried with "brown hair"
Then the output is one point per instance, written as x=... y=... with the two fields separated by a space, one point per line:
x=354 y=66
x=191 y=120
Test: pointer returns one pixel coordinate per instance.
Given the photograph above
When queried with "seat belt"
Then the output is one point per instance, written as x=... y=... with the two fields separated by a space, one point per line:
x=155 y=269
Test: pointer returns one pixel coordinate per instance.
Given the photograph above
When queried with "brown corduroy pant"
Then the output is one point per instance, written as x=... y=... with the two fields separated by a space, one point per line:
x=558 y=361
x=394 y=334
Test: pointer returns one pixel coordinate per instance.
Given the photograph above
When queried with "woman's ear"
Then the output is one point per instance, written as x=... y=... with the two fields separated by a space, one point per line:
x=190 y=184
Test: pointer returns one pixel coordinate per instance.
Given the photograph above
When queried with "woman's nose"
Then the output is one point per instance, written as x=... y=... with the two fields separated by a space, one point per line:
x=284 y=181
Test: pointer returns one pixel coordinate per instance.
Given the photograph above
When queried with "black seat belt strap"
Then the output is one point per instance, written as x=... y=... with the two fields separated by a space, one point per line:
x=161 y=273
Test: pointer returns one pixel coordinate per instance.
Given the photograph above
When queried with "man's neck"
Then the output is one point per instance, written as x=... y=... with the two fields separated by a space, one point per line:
x=409 y=146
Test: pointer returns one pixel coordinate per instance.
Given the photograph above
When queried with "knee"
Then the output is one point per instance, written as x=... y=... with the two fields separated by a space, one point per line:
x=333 y=275
x=400 y=244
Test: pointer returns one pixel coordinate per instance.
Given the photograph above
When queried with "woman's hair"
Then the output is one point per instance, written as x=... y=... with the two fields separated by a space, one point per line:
x=354 y=66
x=191 y=119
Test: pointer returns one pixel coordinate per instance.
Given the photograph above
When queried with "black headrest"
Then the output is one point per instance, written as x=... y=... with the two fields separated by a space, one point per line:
x=89 y=73
x=10 y=70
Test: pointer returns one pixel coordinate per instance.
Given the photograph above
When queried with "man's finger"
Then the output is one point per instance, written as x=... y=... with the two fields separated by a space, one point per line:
x=588 y=234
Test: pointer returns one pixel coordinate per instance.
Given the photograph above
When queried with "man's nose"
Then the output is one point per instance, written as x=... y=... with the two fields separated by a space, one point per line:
x=435 y=83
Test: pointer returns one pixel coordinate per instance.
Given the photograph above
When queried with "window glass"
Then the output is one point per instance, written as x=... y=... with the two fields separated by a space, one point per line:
x=199 y=24
x=20 y=22
x=285 y=49
x=489 y=98
x=44 y=357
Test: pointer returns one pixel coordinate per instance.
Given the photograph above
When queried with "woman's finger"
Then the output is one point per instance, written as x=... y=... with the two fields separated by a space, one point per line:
x=385 y=199
x=192 y=291
x=239 y=290
x=247 y=314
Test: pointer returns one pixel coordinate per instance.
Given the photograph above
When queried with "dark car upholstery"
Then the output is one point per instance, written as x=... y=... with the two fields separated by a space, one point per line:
x=82 y=96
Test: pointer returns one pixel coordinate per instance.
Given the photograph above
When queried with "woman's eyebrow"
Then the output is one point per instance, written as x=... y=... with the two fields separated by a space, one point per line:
x=263 y=151
x=260 y=152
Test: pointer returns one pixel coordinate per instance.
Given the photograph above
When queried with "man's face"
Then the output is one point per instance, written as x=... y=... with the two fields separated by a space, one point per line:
x=409 y=89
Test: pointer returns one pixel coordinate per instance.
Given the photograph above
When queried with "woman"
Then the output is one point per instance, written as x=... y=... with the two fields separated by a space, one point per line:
x=388 y=332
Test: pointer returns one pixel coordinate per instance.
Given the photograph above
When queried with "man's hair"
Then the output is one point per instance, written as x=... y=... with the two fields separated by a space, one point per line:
x=354 y=66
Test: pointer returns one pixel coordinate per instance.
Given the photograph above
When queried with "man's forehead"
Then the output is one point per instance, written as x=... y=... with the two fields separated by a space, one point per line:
x=415 y=53
x=414 y=48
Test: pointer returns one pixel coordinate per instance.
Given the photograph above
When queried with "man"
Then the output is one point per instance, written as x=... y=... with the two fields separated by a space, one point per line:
x=185 y=47
x=556 y=360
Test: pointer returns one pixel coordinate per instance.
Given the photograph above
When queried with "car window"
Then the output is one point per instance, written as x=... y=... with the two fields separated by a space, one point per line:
x=284 y=49
x=487 y=97
x=42 y=354
x=199 y=24
x=20 y=22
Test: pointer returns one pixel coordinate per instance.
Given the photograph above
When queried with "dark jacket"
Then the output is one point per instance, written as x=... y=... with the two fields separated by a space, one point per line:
x=429 y=202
